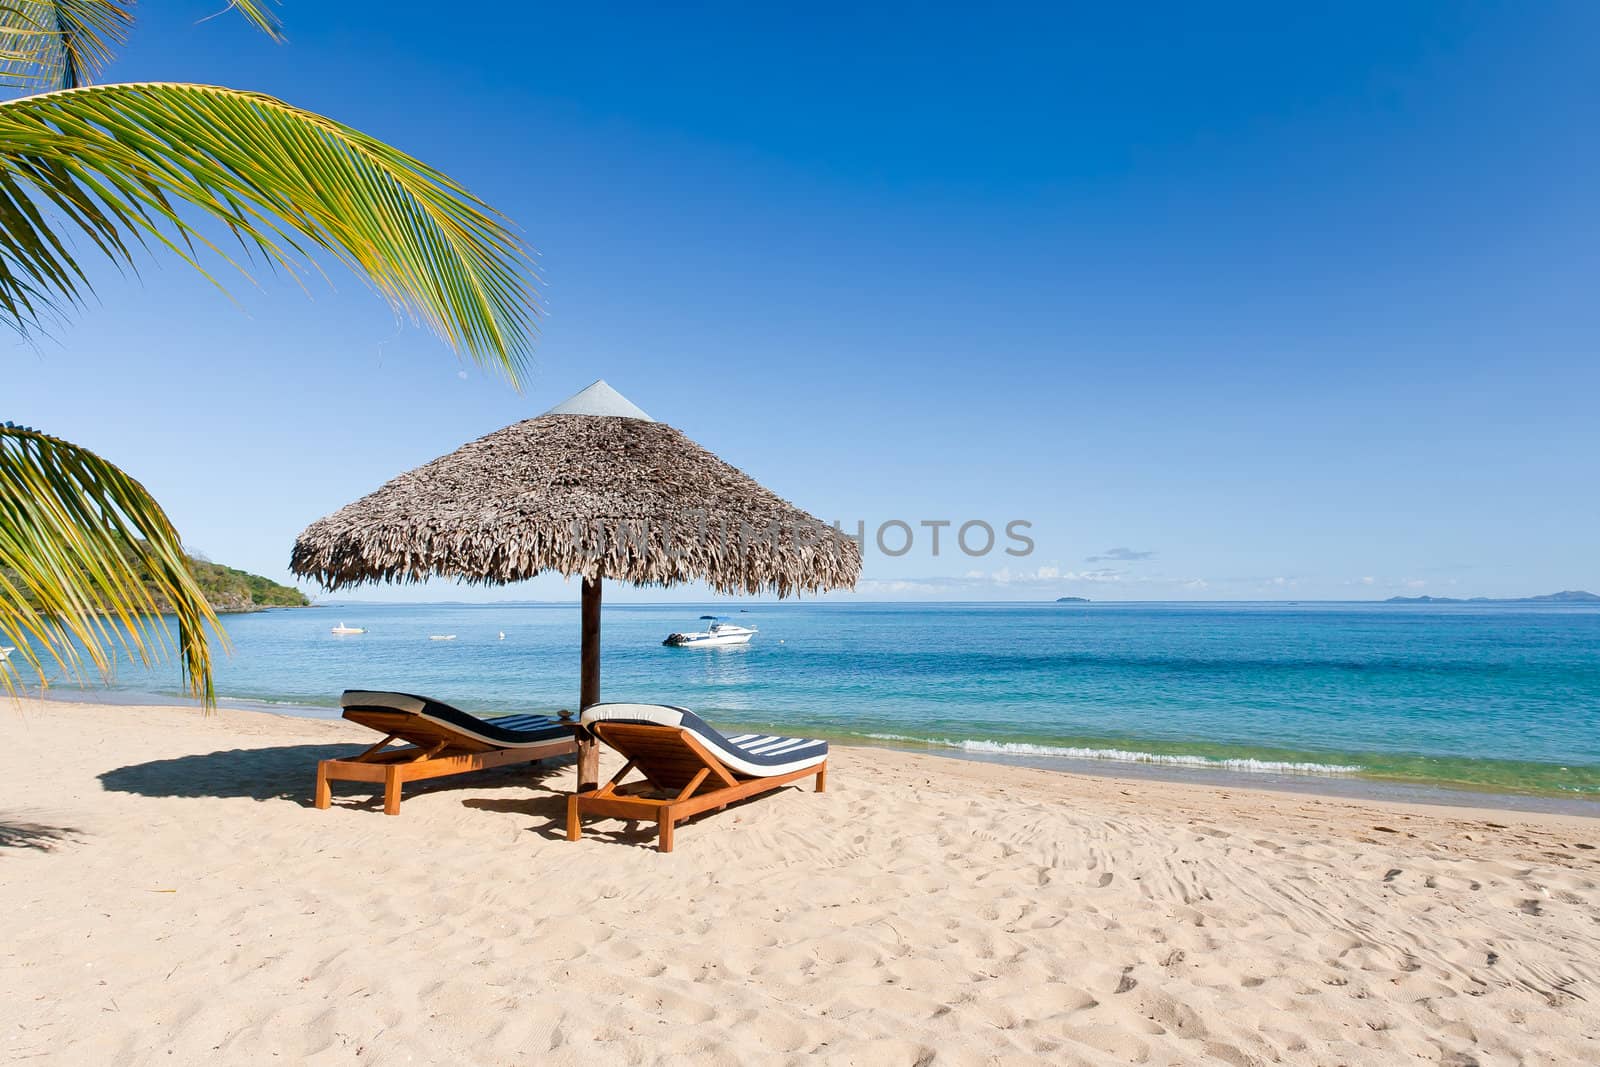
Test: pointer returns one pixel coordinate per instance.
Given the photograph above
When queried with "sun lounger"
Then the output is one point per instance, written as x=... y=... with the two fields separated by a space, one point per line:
x=688 y=767
x=443 y=741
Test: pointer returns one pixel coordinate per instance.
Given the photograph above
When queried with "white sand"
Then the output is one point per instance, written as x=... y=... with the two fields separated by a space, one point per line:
x=172 y=898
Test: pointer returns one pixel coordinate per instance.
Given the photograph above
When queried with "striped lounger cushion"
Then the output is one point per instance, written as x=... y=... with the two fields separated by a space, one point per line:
x=505 y=731
x=755 y=755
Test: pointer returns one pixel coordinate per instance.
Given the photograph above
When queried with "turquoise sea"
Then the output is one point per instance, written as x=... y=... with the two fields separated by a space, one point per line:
x=1498 y=697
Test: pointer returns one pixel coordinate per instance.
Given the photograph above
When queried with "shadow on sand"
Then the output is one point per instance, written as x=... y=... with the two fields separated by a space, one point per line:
x=289 y=773
x=552 y=809
x=34 y=835
x=549 y=808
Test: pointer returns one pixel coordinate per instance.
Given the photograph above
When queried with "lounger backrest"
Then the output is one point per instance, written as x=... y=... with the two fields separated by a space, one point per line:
x=666 y=755
x=415 y=729
x=750 y=755
x=426 y=722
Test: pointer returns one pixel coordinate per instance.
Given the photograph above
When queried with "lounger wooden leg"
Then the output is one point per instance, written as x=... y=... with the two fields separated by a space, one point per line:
x=664 y=829
x=391 y=790
x=822 y=777
x=324 y=794
x=574 y=820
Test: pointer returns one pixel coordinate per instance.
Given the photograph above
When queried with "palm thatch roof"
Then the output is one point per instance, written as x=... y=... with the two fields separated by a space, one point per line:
x=593 y=488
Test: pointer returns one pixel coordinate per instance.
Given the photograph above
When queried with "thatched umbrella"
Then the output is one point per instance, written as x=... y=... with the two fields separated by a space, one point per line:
x=594 y=488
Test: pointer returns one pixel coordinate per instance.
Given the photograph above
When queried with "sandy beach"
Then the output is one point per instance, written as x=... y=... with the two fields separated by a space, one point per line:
x=173 y=898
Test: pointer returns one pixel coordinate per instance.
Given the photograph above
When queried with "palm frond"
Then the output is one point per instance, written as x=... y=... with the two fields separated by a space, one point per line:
x=119 y=163
x=87 y=561
x=60 y=44
x=260 y=14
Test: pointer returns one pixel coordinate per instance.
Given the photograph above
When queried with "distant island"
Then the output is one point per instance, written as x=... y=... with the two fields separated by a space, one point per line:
x=227 y=589
x=231 y=590
x=1566 y=596
x=1072 y=600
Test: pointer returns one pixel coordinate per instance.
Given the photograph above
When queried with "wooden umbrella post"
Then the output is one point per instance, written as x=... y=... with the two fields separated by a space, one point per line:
x=589 y=685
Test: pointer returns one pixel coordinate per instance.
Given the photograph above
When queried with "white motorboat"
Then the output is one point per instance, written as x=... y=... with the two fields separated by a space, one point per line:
x=343 y=629
x=441 y=637
x=5 y=652
x=718 y=633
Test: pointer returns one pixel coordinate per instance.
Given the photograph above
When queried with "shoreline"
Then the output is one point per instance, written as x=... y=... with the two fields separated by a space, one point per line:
x=176 y=899
x=1353 y=786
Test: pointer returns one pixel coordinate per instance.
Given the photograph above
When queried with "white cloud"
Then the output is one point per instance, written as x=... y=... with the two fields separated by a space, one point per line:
x=894 y=586
x=1121 y=555
x=1047 y=580
x=1047 y=573
x=1094 y=576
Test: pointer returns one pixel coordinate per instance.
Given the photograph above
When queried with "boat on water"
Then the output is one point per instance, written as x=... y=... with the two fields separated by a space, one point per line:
x=441 y=637
x=718 y=633
x=343 y=629
x=5 y=652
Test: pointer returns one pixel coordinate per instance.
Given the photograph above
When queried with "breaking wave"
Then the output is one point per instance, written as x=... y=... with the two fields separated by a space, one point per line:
x=1122 y=755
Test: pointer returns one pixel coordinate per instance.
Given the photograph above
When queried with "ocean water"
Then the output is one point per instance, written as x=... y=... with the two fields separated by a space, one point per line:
x=1498 y=697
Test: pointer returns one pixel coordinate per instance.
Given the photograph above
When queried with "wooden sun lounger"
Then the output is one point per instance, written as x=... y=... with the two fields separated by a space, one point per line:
x=688 y=767
x=443 y=741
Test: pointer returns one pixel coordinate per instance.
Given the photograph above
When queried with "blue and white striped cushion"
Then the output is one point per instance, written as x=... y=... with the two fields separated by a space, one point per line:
x=756 y=755
x=524 y=722
x=505 y=731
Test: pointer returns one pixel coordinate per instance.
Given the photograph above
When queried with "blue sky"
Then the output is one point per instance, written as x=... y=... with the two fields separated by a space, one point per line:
x=1229 y=301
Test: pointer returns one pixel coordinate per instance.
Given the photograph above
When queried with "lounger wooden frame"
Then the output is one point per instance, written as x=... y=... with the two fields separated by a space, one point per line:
x=435 y=752
x=686 y=778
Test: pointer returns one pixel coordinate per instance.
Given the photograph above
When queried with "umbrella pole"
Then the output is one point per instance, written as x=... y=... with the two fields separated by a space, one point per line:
x=589 y=685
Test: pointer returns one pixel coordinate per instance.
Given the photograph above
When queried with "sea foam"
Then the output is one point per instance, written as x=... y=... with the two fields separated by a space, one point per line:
x=1121 y=755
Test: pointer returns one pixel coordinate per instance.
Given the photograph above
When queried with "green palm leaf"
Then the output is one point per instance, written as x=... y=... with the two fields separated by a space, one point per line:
x=258 y=13
x=63 y=44
x=60 y=44
x=87 y=559
x=127 y=165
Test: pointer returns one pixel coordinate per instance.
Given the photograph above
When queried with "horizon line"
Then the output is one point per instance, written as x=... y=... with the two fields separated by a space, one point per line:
x=1421 y=598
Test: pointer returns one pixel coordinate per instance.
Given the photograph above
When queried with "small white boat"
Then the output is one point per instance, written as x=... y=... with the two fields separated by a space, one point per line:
x=441 y=637
x=343 y=629
x=718 y=633
x=5 y=652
